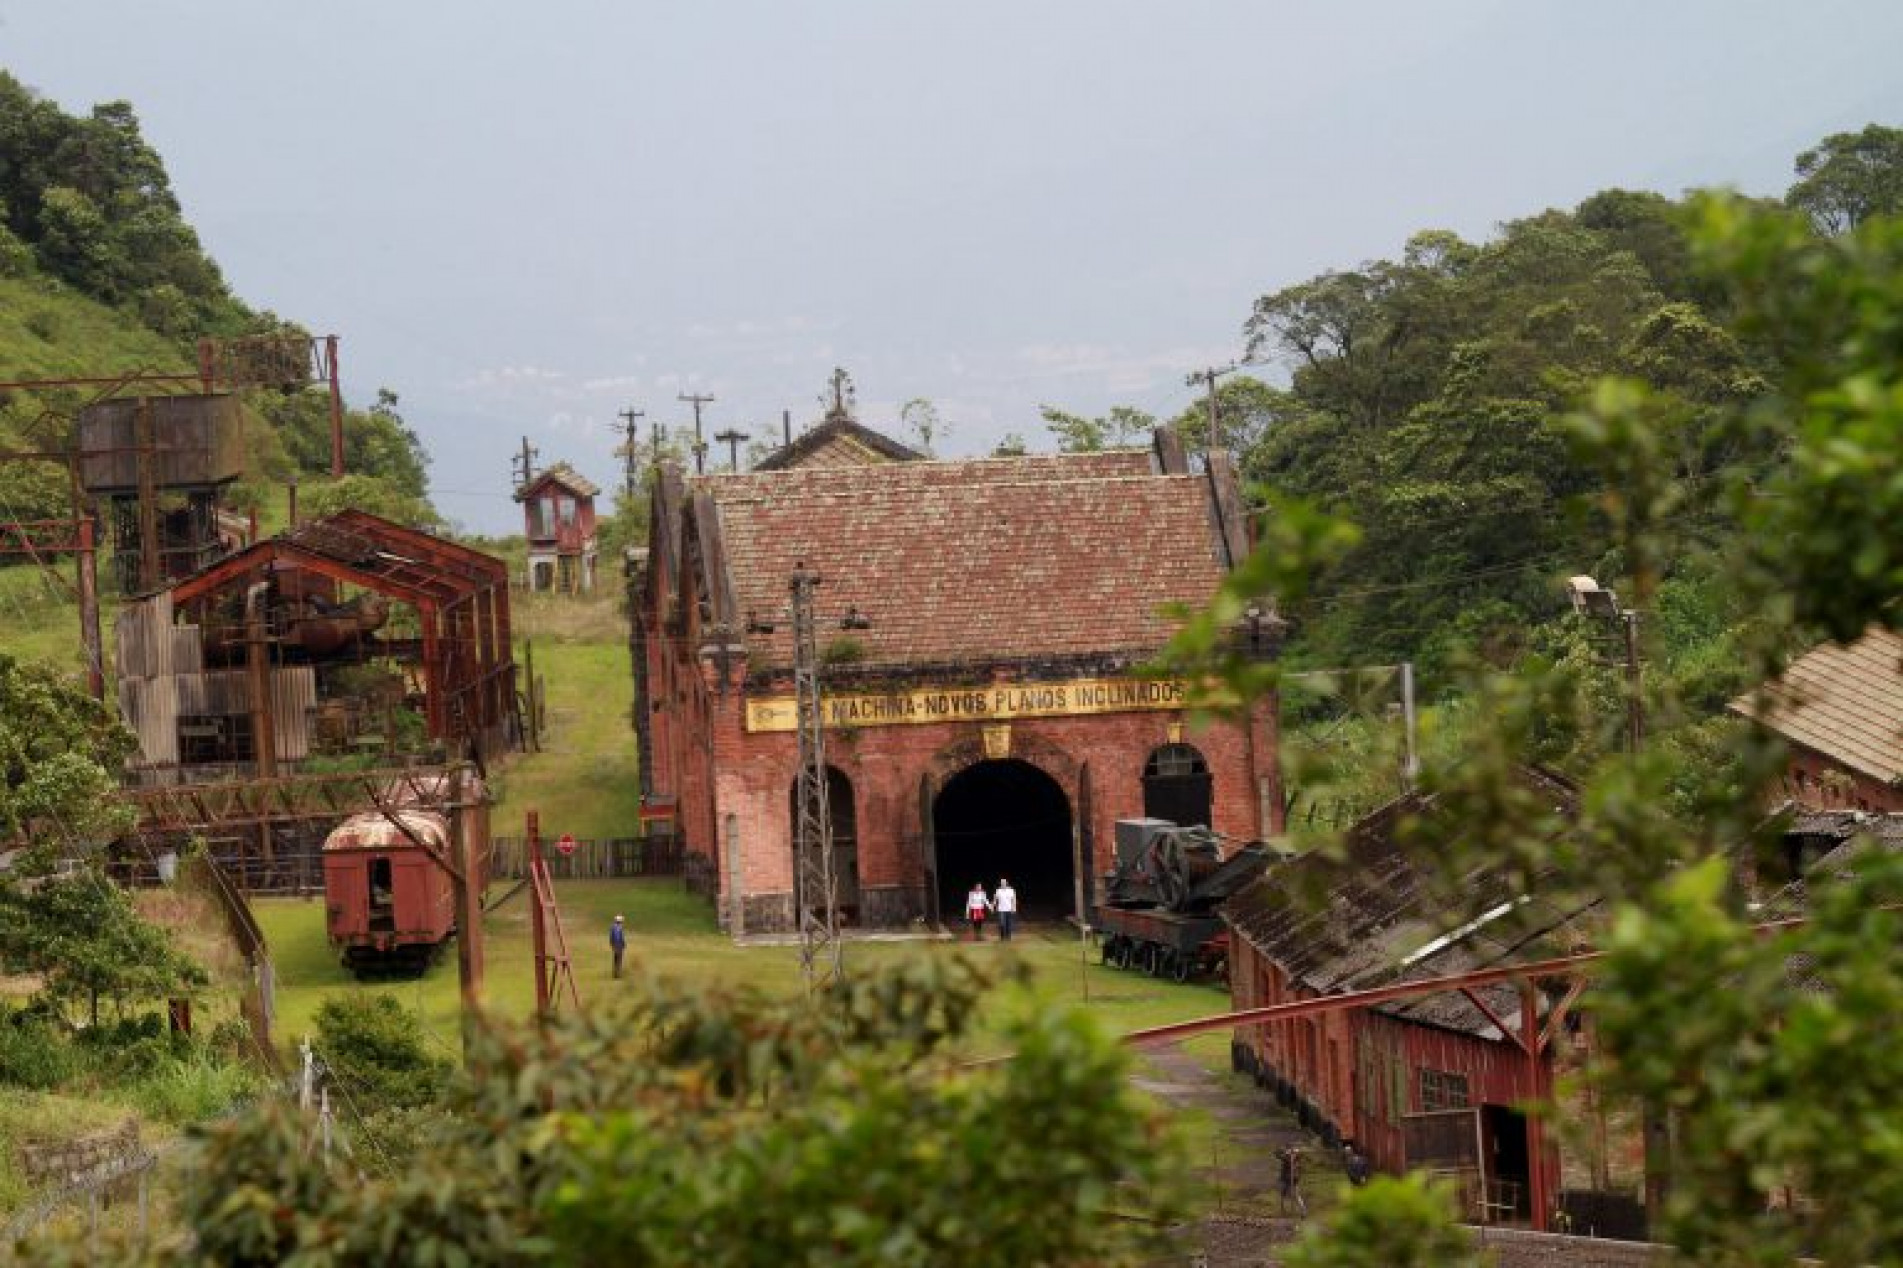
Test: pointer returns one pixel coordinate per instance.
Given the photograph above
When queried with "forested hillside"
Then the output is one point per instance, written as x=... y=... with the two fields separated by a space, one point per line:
x=100 y=274
x=1427 y=402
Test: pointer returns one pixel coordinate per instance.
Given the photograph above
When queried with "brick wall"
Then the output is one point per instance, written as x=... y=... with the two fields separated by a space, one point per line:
x=752 y=777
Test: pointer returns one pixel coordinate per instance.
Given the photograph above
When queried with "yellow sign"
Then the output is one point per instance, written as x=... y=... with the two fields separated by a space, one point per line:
x=1070 y=698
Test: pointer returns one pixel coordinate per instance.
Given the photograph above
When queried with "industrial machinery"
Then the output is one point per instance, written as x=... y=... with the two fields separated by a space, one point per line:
x=1159 y=913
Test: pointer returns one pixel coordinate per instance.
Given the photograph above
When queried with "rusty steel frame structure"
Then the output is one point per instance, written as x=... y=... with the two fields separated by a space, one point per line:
x=461 y=597
x=284 y=798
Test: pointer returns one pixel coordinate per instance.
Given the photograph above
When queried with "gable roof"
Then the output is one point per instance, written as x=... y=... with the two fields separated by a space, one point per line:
x=1372 y=916
x=982 y=560
x=565 y=476
x=837 y=442
x=1844 y=701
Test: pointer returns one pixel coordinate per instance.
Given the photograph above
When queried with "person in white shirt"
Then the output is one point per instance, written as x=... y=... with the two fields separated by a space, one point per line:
x=1006 y=901
x=976 y=905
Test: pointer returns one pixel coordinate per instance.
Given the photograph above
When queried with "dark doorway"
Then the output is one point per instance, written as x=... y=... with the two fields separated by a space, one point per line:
x=845 y=817
x=1004 y=819
x=1176 y=785
x=1509 y=1178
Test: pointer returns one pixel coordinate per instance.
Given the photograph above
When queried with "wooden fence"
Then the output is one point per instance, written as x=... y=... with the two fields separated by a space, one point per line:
x=593 y=859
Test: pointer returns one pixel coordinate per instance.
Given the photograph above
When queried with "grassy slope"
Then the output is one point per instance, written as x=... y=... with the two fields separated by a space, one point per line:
x=48 y=331
x=586 y=780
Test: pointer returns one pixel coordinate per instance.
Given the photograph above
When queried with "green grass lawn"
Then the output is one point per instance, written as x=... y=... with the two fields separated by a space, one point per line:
x=585 y=780
x=672 y=933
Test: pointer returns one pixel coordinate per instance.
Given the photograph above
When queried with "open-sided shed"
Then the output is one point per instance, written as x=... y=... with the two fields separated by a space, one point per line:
x=461 y=599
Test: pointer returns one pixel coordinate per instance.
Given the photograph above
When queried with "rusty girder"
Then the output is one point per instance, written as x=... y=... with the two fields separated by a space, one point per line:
x=191 y=807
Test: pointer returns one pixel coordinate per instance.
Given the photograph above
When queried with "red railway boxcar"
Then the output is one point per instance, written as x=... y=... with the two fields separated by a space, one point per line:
x=388 y=904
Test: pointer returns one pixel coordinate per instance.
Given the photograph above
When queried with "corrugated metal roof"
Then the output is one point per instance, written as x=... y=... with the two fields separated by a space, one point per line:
x=1844 y=701
x=1373 y=913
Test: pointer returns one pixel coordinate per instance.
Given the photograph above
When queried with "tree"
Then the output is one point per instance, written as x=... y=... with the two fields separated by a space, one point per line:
x=85 y=941
x=1849 y=177
x=677 y=1125
x=921 y=421
x=1770 y=1056
x=365 y=493
x=1121 y=428
x=58 y=751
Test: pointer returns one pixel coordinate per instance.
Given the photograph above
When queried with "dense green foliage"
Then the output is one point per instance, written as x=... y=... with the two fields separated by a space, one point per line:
x=59 y=751
x=1770 y=1060
x=680 y=1126
x=100 y=274
x=89 y=200
x=374 y=1047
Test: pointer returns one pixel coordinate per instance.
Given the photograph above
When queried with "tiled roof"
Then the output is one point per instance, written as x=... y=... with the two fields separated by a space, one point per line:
x=1843 y=701
x=979 y=560
x=1370 y=916
x=566 y=476
x=837 y=442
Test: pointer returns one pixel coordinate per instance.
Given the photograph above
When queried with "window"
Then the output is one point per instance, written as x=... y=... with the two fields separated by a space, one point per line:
x=1176 y=785
x=1173 y=761
x=1442 y=1091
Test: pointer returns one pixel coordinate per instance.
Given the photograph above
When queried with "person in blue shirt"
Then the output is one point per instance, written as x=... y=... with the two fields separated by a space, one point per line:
x=618 y=940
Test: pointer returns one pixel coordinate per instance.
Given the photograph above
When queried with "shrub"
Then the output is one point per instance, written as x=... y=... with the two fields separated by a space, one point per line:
x=36 y=1055
x=191 y=1090
x=373 y=1046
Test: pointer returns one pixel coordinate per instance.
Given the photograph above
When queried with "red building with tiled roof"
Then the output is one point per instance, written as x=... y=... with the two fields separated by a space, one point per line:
x=990 y=719
x=558 y=519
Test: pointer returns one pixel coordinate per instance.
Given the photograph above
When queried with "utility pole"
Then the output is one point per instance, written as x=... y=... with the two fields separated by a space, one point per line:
x=700 y=441
x=524 y=464
x=815 y=894
x=786 y=426
x=1208 y=378
x=629 y=462
x=731 y=438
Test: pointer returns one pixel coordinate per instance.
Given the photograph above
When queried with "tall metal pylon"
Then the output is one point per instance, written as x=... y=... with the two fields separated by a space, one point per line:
x=815 y=892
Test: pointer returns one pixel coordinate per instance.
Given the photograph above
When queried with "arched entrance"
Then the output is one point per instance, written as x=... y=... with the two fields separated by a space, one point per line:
x=1004 y=818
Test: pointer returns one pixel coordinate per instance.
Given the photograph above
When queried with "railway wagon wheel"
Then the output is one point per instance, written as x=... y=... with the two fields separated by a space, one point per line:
x=1181 y=966
x=1143 y=957
x=1160 y=958
x=1107 y=950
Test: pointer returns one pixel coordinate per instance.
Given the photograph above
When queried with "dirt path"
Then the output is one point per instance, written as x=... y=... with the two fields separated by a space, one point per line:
x=1239 y=1173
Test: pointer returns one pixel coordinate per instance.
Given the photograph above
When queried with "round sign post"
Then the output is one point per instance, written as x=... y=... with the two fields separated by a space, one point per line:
x=566 y=844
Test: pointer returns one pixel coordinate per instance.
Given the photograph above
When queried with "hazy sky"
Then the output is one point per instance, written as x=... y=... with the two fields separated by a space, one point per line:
x=525 y=217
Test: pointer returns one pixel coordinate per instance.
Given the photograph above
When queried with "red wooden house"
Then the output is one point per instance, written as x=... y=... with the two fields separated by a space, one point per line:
x=558 y=518
x=1436 y=1082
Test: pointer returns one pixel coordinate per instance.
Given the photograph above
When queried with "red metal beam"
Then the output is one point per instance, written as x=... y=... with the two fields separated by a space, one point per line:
x=1522 y=1041
x=1562 y=966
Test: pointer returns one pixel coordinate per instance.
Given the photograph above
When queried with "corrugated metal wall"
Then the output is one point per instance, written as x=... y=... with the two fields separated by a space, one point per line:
x=162 y=678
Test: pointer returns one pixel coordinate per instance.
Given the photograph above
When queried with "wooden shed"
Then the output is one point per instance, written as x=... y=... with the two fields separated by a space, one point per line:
x=1436 y=1082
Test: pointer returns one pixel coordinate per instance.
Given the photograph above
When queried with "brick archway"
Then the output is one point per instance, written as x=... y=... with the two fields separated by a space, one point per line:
x=1048 y=757
x=991 y=815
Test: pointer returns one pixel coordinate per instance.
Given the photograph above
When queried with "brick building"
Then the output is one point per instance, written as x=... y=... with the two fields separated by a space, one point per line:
x=1840 y=709
x=988 y=720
